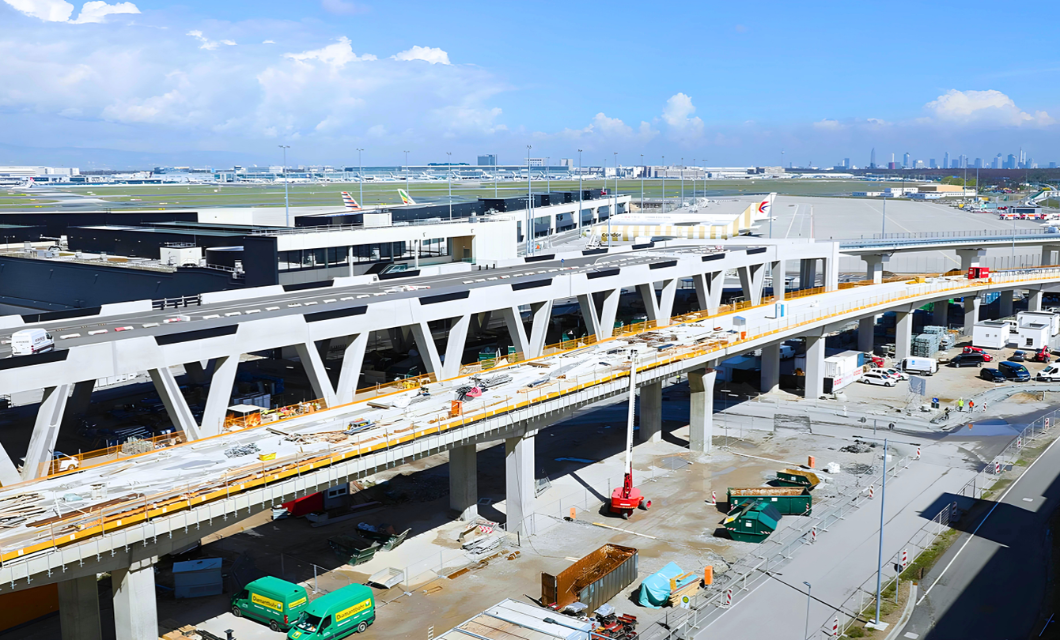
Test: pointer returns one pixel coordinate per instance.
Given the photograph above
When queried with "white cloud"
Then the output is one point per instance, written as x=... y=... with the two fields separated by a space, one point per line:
x=433 y=55
x=206 y=43
x=827 y=125
x=47 y=10
x=989 y=107
x=97 y=11
x=60 y=10
x=678 y=115
x=336 y=55
x=269 y=42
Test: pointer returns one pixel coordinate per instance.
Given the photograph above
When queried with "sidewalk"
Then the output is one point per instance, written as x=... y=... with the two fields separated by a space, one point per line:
x=840 y=560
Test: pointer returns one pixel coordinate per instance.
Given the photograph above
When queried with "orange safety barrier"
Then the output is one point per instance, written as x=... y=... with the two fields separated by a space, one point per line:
x=143 y=508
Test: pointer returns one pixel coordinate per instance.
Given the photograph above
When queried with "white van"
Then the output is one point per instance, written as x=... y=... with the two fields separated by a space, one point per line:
x=921 y=366
x=30 y=341
x=1051 y=373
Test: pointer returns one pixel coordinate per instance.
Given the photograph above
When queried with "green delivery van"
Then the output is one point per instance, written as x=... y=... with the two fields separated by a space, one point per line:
x=337 y=615
x=275 y=602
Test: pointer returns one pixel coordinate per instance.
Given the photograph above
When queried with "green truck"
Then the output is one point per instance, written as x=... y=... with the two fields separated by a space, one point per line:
x=340 y=613
x=271 y=601
x=789 y=501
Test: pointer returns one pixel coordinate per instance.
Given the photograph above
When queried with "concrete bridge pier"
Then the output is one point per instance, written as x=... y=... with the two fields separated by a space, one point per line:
x=874 y=266
x=651 y=412
x=903 y=335
x=970 y=258
x=463 y=481
x=814 y=367
x=520 y=483
x=79 y=616
x=1047 y=254
x=1034 y=300
x=1005 y=303
x=807 y=273
x=866 y=339
x=941 y=312
x=701 y=415
x=778 y=274
x=971 y=313
x=45 y=431
x=770 y=368
x=135 y=610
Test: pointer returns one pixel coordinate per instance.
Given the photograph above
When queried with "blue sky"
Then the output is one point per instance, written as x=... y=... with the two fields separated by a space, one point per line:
x=142 y=82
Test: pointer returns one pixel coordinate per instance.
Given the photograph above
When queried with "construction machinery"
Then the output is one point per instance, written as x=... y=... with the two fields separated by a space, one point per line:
x=626 y=498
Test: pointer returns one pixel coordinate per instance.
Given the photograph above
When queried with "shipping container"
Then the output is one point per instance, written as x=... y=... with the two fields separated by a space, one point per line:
x=798 y=478
x=313 y=503
x=790 y=501
x=593 y=580
x=752 y=521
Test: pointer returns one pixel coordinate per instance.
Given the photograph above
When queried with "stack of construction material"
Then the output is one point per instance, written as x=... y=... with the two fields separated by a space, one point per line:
x=946 y=338
x=926 y=345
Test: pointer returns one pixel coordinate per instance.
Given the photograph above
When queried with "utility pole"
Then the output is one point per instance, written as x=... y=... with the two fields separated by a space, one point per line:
x=879 y=563
x=529 y=198
x=548 y=178
x=579 y=188
x=682 y=184
x=614 y=208
x=449 y=175
x=664 y=184
x=643 y=170
x=360 y=176
x=407 y=173
x=286 y=200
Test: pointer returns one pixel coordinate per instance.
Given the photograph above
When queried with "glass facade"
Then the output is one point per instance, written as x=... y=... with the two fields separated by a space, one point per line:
x=380 y=252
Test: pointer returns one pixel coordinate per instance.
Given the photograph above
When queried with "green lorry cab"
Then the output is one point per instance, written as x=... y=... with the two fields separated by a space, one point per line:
x=338 y=614
x=272 y=601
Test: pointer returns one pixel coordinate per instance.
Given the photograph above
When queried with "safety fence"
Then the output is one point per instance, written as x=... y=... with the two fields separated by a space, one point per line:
x=751 y=570
x=571 y=390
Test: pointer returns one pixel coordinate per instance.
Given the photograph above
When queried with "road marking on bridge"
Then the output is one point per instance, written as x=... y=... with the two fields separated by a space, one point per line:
x=149 y=325
x=272 y=308
x=329 y=300
x=211 y=316
x=97 y=332
x=309 y=304
x=250 y=311
x=70 y=335
x=296 y=304
x=233 y=313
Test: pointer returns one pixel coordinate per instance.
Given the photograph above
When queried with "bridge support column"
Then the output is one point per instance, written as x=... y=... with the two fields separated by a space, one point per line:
x=454 y=346
x=752 y=278
x=135 y=610
x=8 y=472
x=220 y=395
x=519 y=483
x=601 y=324
x=708 y=290
x=313 y=363
x=971 y=313
x=176 y=406
x=830 y=268
x=814 y=367
x=79 y=616
x=1034 y=300
x=658 y=311
x=903 y=335
x=970 y=258
x=1047 y=254
x=421 y=333
x=651 y=412
x=196 y=372
x=779 y=277
x=770 y=379
x=45 y=431
x=941 y=312
x=1005 y=303
x=352 y=361
x=463 y=481
x=701 y=414
x=866 y=329
x=874 y=266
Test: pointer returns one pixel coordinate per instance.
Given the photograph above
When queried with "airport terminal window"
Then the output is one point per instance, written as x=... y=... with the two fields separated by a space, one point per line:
x=336 y=255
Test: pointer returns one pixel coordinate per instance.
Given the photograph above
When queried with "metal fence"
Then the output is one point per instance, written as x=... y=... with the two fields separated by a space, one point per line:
x=748 y=572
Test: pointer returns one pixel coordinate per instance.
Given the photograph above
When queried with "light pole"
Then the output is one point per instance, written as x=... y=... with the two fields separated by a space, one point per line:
x=286 y=200
x=664 y=184
x=449 y=177
x=548 y=178
x=407 y=173
x=879 y=564
x=529 y=198
x=693 y=184
x=806 y=627
x=360 y=176
x=614 y=207
x=579 y=188
x=642 y=171
x=495 y=175
x=884 y=232
x=682 y=183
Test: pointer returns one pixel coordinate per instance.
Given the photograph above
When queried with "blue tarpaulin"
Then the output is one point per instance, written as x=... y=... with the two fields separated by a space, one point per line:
x=655 y=590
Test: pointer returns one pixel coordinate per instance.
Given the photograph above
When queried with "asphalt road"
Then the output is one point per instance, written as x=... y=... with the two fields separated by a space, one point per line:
x=995 y=576
x=296 y=302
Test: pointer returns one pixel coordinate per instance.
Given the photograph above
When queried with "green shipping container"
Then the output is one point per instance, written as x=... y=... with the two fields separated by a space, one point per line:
x=789 y=501
x=752 y=521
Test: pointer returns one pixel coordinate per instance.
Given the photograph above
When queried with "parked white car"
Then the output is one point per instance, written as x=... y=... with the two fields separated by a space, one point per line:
x=895 y=373
x=878 y=377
